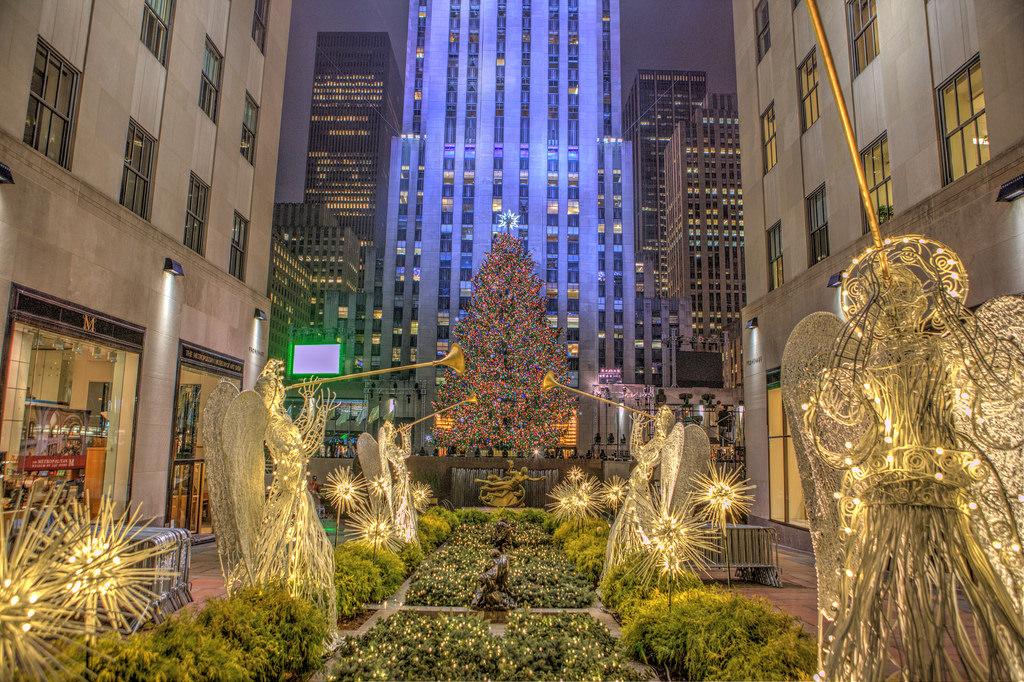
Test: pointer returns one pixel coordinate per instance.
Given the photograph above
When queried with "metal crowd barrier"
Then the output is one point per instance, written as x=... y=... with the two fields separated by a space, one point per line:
x=753 y=553
x=171 y=589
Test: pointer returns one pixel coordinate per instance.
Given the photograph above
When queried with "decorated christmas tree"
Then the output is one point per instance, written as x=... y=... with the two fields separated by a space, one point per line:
x=509 y=347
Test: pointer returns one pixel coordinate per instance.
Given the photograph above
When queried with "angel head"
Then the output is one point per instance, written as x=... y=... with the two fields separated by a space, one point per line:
x=664 y=420
x=270 y=385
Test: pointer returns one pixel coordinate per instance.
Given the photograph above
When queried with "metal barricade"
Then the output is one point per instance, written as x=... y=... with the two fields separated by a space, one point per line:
x=171 y=588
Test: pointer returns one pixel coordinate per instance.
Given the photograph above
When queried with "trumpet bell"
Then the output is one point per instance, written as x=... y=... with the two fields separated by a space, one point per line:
x=455 y=359
x=549 y=382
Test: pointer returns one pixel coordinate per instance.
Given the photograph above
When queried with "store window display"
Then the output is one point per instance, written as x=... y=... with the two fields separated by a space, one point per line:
x=68 y=416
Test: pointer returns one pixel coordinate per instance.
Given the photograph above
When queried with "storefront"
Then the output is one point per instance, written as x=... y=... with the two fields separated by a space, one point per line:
x=200 y=370
x=70 y=378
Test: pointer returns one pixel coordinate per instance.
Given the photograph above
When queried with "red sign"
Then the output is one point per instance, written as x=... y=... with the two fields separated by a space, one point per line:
x=52 y=462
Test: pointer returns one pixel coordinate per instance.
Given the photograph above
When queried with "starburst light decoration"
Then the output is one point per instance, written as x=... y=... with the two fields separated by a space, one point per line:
x=723 y=495
x=575 y=474
x=422 y=496
x=509 y=221
x=676 y=539
x=909 y=436
x=374 y=525
x=576 y=499
x=345 y=491
x=613 y=492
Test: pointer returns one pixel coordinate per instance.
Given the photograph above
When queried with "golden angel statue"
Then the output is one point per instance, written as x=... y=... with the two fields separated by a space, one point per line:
x=909 y=422
x=279 y=538
x=506 y=490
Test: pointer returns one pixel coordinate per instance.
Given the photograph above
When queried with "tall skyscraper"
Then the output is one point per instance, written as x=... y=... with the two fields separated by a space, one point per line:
x=355 y=111
x=510 y=105
x=658 y=101
x=704 y=219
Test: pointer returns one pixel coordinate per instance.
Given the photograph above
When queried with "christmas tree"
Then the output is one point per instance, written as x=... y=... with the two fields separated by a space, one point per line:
x=509 y=347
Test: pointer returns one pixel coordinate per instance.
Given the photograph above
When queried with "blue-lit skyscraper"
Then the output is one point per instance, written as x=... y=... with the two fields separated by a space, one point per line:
x=510 y=105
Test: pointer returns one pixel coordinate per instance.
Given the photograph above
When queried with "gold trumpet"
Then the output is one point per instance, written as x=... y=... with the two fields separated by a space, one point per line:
x=455 y=359
x=471 y=399
x=550 y=382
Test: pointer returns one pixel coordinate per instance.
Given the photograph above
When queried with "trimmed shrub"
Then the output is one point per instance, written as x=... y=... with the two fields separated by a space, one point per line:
x=257 y=634
x=389 y=564
x=714 y=635
x=625 y=585
x=567 y=530
x=448 y=516
x=355 y=579
x=432 y=531
x=411 y=555
x=472 y=516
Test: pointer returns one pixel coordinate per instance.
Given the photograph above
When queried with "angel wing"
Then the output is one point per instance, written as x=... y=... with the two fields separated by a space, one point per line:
x=669 y=464
x=234 y=427
x=687 y=452
x=998 y=429
x=807 y=355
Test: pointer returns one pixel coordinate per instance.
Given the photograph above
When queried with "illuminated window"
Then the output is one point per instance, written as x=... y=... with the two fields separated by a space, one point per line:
x=809 y=91
x=964 y=124
x=785 y=494
x=876 y=167
x=768 y=142
x=863 y=33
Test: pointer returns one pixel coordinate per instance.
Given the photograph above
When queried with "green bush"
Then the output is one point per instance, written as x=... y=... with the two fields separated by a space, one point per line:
x=533 y=515
x=257 y=634
x=355 y=579
x=433 y=530
x=568 y=530
x=625 y=585
x=389 y=564
x=715 y=635
x=472 y=516
x=584 y=543
x=412 y=556
x=447 y=515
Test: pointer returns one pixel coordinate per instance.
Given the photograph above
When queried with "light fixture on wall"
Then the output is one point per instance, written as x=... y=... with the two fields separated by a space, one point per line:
x=835 y=280
x=6 y=176
x=752 y=323
x=1011 y=190
x=173 y=267
x=260 y=315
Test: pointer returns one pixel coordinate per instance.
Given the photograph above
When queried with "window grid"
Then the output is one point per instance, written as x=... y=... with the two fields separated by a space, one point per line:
x=809 y=111
x=774 y=251
x=239 y=238
x=768 y=142
x=156 y=27
x=250 y=120
x=817 y=226
x=51 y=105
x=876 y=168
x=195 y=214
x=138 y=167
x=209 y=84
x=259 y=23
x=764 y=36
x=964 y=123
x=864 y=33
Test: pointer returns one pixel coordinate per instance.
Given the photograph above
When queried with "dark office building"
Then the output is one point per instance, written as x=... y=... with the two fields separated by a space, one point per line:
x=657 y=102
x=355 y=111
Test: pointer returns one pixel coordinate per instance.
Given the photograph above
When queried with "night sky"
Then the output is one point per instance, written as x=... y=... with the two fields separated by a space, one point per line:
x=666 y=34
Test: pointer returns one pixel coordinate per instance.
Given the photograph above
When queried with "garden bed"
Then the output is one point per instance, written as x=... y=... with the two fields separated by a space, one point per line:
x=541 y=575
x=412 y=646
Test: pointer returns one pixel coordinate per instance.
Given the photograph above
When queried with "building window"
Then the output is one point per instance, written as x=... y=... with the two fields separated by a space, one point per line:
x=809 y=111
x=964 y=125
x=768 y=144
x=51 y=105
x=785 y=494
x=209 y=84
x=156 y=27
x=195 y=214
x=259 y=23
x=864 y=33
x=249 y=119
x=876 y=168
x=764 y=36
x=139 y=148
x=774 y=251
x=817 y=225
x=239 y=237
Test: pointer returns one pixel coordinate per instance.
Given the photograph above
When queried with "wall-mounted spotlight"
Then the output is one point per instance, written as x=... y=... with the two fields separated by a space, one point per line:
x=752 y=323
x=173 y=267
x=835 y=280
x=260 y=314
x=1014 y=189
x=6 y=176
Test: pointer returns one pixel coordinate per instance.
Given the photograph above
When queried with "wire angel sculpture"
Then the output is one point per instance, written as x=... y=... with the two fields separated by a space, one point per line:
x=383 y=461
x=909 y=424
x=279 y=537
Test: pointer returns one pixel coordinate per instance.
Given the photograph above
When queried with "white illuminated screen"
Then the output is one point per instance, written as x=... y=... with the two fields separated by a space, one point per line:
x=317 y=359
